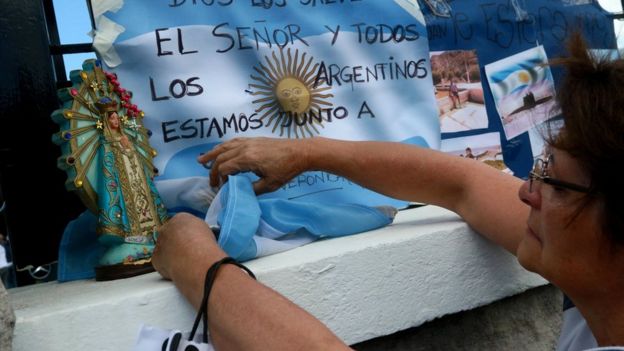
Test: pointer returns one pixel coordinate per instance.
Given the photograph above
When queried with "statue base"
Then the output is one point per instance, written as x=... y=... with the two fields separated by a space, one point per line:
x=122 y=271
x=123 y=260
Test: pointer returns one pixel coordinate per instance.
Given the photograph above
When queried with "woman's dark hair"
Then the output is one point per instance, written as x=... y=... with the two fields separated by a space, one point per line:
x=591 y=98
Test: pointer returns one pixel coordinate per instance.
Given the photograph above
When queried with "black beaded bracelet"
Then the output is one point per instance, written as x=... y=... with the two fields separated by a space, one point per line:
x=211 y=275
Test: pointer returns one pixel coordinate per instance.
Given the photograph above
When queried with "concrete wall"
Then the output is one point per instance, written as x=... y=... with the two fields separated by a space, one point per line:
x=528 y=321
x=426 y=265
x=7 y=320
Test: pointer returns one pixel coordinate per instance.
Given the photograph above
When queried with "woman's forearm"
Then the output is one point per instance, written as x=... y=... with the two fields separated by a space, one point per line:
x=485 y=197
x=246 y=315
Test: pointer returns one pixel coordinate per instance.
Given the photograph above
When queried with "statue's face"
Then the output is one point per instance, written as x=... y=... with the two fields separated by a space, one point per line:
x=293 y=96
x=113 y=120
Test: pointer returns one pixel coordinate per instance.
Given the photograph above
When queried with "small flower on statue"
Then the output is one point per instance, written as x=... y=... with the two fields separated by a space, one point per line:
x=133 y=124
x=99 y=125
x=94 y=85
x=113 y=80
x=73 y=91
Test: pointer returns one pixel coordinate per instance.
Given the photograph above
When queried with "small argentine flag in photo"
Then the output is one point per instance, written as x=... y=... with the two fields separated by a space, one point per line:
x=523 y=90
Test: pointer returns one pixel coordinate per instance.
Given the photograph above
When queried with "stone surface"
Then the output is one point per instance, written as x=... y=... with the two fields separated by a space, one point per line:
x=7 y=320
x=529 y=321
x=427 y=264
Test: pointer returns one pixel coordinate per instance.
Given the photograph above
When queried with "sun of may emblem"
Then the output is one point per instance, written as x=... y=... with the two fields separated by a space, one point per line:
x=291 y=97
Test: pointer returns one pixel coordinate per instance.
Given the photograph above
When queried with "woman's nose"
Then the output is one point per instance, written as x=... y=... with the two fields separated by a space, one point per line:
x=530 y=195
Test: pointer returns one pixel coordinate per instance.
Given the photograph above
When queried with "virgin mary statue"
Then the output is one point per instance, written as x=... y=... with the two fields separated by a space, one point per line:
x=109 y=164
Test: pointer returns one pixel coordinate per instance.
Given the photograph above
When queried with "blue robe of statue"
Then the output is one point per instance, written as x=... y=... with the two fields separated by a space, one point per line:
x=129 y=207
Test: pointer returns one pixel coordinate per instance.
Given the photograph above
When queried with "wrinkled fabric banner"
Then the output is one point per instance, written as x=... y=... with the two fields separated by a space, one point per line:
x=206 y=72
x=250 y=226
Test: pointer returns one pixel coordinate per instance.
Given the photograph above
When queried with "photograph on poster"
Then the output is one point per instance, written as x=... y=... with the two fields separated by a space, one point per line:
x=538 y=134
x=523 y=90
x=538 y=143
x=458 y=90
x=485 y=148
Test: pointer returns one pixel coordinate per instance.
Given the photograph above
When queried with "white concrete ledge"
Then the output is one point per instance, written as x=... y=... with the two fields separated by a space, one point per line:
x=429 y=263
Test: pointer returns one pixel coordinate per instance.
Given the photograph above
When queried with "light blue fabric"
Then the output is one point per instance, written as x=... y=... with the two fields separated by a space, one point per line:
x=240 y=218
x=291 y=222
x=321 y=220
x=242 y=212
x=80 y=249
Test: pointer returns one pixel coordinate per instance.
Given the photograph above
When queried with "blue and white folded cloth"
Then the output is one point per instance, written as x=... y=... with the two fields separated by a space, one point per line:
x=80 y=251
x=250 y=226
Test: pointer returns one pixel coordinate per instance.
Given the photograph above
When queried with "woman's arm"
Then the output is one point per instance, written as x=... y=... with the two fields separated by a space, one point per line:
x=485 y=197
x=242 y=313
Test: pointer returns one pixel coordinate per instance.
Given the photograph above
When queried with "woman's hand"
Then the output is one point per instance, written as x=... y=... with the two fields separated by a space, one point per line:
x=275 y=161
x=185 y=244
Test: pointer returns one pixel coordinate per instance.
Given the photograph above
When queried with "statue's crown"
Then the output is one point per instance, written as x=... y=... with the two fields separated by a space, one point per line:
x=106 y=104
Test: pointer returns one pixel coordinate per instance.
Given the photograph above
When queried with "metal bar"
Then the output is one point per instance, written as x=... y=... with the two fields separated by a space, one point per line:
x=57 y=50
x=90 y=7
x=70 y=48
x=54 y=38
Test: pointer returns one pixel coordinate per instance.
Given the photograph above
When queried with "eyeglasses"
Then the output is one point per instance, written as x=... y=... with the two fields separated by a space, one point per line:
x=539 y=173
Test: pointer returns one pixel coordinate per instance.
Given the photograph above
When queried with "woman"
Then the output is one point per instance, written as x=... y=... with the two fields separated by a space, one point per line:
x=566 y=227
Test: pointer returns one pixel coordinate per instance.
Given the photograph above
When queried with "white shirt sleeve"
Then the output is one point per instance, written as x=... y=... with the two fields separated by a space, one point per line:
x=575 y=334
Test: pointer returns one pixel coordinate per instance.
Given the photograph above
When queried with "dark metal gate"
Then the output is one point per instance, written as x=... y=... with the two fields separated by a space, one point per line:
x=37 y=206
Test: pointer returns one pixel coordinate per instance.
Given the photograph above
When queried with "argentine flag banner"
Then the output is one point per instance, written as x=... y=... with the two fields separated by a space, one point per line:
x=206 y=71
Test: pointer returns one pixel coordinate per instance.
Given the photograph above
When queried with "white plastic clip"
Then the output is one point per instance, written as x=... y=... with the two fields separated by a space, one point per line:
x=439 y=8
x=521 y=13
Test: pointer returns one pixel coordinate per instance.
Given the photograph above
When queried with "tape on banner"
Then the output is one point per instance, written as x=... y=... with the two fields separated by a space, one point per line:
x=412 y=7
x=107 y=31
x=102 y=6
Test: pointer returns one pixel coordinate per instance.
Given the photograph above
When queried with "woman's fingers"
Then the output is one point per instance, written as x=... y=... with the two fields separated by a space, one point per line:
x=224 y=165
